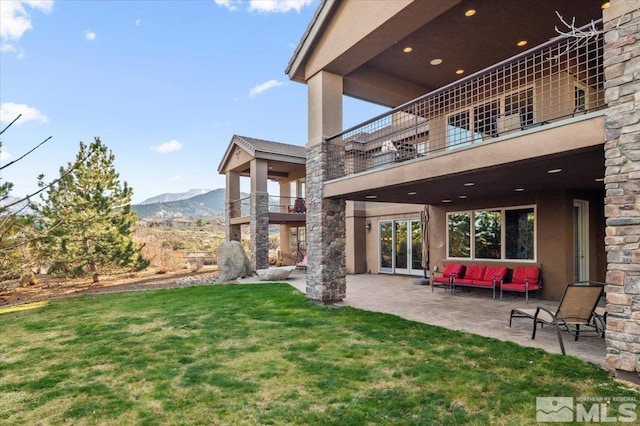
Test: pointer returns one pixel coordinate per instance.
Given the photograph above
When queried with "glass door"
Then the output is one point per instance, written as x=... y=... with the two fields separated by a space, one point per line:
x=386 y=246
x=400 y=247
x=402 y=251
x=581 y=240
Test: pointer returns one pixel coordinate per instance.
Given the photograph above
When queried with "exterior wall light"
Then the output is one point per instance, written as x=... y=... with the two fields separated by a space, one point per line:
x=368 y=225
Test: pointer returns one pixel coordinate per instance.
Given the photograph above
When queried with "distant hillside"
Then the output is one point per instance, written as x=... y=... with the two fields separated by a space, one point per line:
x=210 y=204
x=164 y=198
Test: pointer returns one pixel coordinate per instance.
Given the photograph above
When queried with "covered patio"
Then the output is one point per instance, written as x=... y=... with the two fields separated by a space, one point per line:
x=474 y=312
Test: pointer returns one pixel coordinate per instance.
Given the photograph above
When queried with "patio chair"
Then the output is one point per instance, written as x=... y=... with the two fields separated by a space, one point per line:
x=574 y=314
x=600 y=318
x=302 y=264
x=524 y=279
x=450 y=272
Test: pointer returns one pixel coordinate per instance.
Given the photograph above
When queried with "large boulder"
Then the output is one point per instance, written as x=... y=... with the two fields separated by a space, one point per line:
x=275 y=274
x=233 y=263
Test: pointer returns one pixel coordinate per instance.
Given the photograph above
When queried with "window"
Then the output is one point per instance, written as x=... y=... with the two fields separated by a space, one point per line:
x=519 y=234
x=520 y=103
x=459 y=231
x=501 y=234
x=459 y=130
x=580 y=99
x=484 y=118
x=487 y=232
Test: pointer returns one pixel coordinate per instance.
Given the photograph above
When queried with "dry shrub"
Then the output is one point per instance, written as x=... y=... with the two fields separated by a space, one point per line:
x=161 y=255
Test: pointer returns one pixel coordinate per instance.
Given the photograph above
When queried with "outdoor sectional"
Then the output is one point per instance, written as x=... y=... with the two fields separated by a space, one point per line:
x=522 y=279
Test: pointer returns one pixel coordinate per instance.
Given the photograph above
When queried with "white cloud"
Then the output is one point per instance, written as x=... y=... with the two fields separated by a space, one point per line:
x=259 y=89
x=9 y=111
x=170 y=146
x=89 y=35
x=176 y=177
x=266 y=6
x=229 y=4
x=278 y=6
x=138 y=22
x=16 y=20
x=4 y=156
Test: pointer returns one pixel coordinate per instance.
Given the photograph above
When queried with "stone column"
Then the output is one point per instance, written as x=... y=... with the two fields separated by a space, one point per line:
x=232 y=206
x=326 y=277
x=259 y=217
x=622 y=183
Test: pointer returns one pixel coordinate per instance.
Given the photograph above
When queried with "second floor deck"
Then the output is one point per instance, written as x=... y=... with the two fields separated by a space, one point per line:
x=561 y=81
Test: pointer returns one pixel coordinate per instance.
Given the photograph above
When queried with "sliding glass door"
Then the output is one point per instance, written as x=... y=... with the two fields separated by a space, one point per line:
x=400 y=247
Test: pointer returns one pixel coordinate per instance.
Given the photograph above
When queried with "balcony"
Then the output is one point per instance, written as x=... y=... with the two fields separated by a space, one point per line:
x=282 y=210
x=559 y=81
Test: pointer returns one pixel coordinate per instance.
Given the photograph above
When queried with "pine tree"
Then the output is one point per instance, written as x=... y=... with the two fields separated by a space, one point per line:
x=88 y=218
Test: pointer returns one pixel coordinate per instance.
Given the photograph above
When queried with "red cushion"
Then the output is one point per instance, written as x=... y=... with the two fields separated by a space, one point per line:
x=494 y=271
x=440 y=279
x=474 y=283
x=453 y=268
x=523 y=273
x=520 y=287
x=474 y=272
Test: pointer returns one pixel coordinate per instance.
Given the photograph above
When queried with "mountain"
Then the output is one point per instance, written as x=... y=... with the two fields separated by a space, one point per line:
x=163 y=198
x=20 y=208
x=208 y=204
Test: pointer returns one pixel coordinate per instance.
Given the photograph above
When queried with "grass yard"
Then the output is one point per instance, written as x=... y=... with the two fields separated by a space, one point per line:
x=263 y=354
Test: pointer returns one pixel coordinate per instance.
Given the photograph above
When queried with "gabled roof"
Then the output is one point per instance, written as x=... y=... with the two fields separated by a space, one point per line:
x=267 y=150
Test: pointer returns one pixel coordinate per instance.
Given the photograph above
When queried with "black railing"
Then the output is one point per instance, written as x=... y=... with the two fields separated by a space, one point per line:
x=555 y=81
x=276 y=204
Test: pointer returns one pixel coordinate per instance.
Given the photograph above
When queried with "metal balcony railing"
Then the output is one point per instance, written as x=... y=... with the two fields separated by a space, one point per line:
x=277 y=204
x=555 y=81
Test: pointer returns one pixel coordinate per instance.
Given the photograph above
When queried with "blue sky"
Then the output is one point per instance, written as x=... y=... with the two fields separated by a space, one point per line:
x=165 y=85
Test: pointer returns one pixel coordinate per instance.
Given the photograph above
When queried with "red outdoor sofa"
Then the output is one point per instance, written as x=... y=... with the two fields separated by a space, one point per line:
x=522 y=279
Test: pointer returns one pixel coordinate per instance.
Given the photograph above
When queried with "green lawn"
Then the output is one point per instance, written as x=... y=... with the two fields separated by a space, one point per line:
x=263 y=354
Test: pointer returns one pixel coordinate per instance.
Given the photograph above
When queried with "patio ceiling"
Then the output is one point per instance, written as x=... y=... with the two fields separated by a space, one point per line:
x=581 y=170
x=389 y=76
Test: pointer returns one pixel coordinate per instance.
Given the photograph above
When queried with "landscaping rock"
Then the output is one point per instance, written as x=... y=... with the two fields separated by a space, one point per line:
x=275 y=274
x=233 y=263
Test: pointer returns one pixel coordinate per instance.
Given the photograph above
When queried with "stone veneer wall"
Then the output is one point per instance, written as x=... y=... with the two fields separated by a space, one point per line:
x=259 y=230
x=232 y=209
x=622 y=183
x=326 y=270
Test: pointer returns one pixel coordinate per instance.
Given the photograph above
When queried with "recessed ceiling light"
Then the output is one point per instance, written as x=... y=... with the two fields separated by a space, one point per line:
x=469 y=184
x=554 y=171
x=600 y=180
x=412 y=193
x=519 y=189
x=522 y=43
x=462 y=197
x=606 y=5
x=470 y=12
x=408 y=49
x=371 y=196
x=460 y=71
x=436 y=61
x=446 y=201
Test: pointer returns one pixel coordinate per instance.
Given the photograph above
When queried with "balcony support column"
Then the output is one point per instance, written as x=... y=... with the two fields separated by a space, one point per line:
x=326 y=271
x=232 y=206
x=622 y=183
x=259 y=219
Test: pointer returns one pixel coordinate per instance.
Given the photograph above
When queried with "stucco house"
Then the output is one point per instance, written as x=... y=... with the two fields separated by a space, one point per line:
x=512 y=139
x=522 y=142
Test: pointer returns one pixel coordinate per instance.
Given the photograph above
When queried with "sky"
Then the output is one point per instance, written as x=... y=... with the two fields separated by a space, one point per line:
x=164 y=84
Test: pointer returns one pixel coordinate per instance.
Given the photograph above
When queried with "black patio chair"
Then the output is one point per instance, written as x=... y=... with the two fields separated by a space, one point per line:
x=575 y=314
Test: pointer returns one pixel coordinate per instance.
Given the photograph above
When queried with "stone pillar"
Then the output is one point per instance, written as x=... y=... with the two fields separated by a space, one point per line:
x=232 y=206
x=326 y=276
x=622 y=184
x=259 y=217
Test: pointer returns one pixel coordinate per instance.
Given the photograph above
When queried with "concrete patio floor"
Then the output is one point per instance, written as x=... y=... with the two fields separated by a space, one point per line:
x=474 y=311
